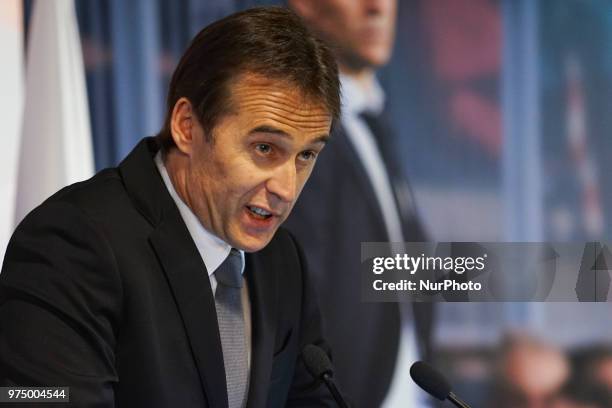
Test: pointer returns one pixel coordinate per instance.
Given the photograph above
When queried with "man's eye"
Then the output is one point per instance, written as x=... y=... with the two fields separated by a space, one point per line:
x=308 y=155
x=263 y=148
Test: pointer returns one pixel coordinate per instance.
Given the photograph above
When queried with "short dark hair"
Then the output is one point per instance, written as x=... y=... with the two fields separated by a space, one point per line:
x=271 y=41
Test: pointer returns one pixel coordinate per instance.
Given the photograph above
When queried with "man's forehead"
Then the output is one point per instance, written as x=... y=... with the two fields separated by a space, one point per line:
x=251 y=90
x=262 y=100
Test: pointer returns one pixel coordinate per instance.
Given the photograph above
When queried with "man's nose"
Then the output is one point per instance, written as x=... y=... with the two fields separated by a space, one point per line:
x=283 y=181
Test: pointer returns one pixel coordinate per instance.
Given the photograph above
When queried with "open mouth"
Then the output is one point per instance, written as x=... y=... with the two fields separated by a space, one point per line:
x=258 y=212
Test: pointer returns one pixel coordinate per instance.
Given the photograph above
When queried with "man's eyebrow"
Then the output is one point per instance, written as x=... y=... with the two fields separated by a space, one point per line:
x=270 y=129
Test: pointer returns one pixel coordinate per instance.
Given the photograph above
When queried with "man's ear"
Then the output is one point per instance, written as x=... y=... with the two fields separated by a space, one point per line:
x=304 y=8
x=183 y=125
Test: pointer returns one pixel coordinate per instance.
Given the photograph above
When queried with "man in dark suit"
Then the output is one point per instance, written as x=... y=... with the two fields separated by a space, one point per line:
x=166 y=282
x=359 y=193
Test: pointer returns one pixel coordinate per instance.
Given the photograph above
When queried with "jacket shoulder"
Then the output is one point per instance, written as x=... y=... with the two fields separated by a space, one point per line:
x=103 y=187
x=101 y=198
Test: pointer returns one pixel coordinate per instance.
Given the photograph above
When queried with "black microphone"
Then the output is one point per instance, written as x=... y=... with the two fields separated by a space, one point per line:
x=318 y=365
x=434 y=383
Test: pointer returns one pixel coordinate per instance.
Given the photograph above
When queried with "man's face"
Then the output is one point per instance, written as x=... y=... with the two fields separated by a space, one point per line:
x=244 y=183
x=536 y=373
x=362 y=30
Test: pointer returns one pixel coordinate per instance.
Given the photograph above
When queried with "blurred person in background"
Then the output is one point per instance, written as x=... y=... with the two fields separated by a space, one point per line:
x=593 y=364
x=358 y=194
x=591 y=381
x=530 y=374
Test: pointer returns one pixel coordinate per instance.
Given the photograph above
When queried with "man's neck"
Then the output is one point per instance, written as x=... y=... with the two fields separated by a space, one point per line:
x=364 y=76
x=176 y=168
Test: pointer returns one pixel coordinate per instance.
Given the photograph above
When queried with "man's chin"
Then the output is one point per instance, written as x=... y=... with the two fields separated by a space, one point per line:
x=252 y=234
x=250 y=243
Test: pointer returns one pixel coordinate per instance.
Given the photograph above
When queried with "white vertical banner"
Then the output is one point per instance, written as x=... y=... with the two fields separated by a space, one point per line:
x=56 y=147
x=11 y=106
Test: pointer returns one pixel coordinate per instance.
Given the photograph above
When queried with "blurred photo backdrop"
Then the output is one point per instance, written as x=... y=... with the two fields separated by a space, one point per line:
x=502 y=116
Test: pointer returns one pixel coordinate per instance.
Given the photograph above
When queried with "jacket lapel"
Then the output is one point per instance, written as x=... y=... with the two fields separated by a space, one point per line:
x=190 y=285
x=182 y=265
x=262 y=281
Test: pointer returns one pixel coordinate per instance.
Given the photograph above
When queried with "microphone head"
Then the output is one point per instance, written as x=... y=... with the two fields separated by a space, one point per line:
x=430 y=380
x=316 y=360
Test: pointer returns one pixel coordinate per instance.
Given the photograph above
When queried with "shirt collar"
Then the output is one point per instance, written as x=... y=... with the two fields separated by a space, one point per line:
x=356 y=99
x=212 y=249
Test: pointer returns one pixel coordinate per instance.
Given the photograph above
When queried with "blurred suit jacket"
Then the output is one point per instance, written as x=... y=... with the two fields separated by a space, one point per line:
x=336 y=211
x=103 y=290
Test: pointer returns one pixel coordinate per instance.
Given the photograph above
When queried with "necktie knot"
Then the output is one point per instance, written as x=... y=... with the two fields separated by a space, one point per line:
x=229 y=273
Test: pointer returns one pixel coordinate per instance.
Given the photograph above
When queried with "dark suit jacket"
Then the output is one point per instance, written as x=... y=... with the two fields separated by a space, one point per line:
x=103 y=290
x=336 y=211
